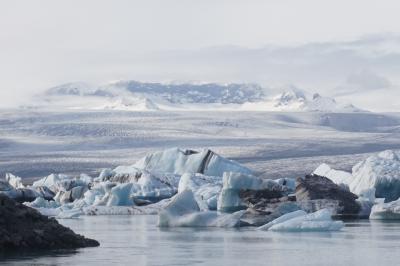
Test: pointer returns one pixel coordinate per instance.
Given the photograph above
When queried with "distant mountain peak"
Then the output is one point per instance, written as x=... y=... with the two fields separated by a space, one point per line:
x=135 y=95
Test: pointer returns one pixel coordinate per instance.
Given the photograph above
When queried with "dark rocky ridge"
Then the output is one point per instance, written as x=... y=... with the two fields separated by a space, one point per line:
x=315 y=187
x=23 y=228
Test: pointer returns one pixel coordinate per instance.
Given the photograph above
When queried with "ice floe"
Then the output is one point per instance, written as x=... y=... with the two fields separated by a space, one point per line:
x=386 y=211
x=300 y=221
x=183 y=211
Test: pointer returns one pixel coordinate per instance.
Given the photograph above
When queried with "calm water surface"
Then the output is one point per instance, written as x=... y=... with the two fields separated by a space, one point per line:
x=136 y=240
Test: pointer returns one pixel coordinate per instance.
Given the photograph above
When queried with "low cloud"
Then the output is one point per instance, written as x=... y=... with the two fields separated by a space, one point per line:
x=368 y=80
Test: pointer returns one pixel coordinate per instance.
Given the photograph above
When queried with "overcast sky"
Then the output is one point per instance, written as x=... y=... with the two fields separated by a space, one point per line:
x=344 y=48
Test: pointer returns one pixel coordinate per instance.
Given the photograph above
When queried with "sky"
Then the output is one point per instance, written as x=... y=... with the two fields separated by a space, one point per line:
x=346 y=49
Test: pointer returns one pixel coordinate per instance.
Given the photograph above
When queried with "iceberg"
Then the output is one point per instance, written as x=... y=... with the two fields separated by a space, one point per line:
x=179 y=161
x=380 y=171
x=151 y=209
x=341 y=178
x=282 y=219
x=299 y=221
x=233 y=182
x=183 y=211
x=120 y=195
x=288 y=183
x=42 y=203
x=69 y=214
x=50 y=181
x=206 y=189
x=14 y=181
x=20 y=194
x=386 y=211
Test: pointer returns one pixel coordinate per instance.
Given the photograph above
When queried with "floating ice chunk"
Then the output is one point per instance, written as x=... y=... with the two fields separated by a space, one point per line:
x=74 y=193
x=69 y=214
x=150 y=209
x=183 y=211
x=181 y=204
x=50 y=181
x=20 y=194
x=51 y=212
x=337 y=176
x=386 y=211
x=147 y=186
x=180 y=161
x=318 y=221
x=366 y=200
x=93 y=195
x=7 y=189
x=42 y=203
x=282 y=219
x=14 y=181
x=86 y=179
x=45 y=207
x=120 y=195
x=380 y=171
x=289 y=183
x=105 y=174
x=63 y=183
x=205 y=188
x=229 y=199
x=205 y=219
x=156 y=186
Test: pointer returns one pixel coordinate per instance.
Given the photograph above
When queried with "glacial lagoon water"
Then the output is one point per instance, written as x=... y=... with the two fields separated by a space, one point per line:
x=136 y=240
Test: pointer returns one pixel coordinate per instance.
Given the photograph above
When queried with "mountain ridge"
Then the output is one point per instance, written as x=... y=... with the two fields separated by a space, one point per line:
x=147 y=96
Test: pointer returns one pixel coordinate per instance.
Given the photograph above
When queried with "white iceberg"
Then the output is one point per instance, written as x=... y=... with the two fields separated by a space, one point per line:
x=179 y=161
x=338 y=177
x=69 y=214
x=40 y=202
x=14 y=181
x=51 y=181
x=282 y=219
x=67 y=188
x=206 y=189
x=155 y=187
x=380 y=171
x=45 y=207
x=120 y=195
x=300 y=221
x=386 y=211
x=144 y=187
x=183 y=211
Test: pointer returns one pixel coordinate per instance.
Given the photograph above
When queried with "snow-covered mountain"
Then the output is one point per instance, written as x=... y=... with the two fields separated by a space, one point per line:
x=141 y=96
